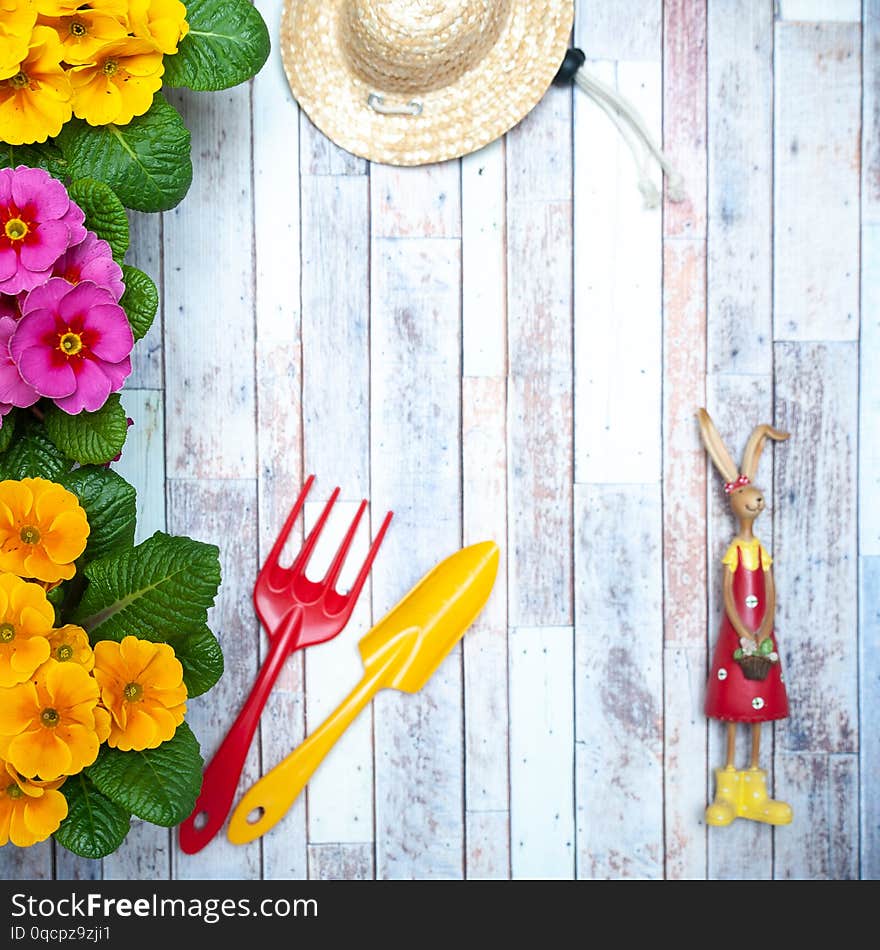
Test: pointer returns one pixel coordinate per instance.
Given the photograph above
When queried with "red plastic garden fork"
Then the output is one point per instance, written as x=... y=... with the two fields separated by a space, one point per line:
x=296 y=612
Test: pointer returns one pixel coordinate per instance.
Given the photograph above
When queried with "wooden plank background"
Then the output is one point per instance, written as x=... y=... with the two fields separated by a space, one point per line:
x=511 y=346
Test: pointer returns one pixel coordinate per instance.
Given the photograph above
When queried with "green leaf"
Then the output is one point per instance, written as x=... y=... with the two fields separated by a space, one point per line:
x=159 y=785
x=32 y=454
x=227 y=44
x=110 y=504
x=201 y=657
x=738 y=654
x=160 y=589
x=140 y=300
x=47 y=156
x=89 y=437
x=105 y=213
x=94 y=826
x=7 y=430
x=766 y=647
x=147 y=162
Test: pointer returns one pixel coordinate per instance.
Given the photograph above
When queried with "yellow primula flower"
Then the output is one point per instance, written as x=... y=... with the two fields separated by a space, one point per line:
x=142 y=686
x=36 y=101
x=26 y=619
x=17 y=18
x=29 y=811
x=48 y=8
x=162 y=22
x=47 y=725
x=119 y=84
x=83 y=32
x=70 y=644
x=43 y=529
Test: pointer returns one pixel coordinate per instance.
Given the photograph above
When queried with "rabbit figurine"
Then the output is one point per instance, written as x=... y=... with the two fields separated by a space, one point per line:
x=745 y=679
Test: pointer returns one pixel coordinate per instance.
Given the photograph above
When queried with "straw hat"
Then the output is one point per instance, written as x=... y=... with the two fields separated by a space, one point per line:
x=407 y=82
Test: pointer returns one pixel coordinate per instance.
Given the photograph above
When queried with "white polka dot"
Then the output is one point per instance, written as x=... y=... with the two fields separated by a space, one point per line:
x=757 y=703
x=722 y=673
x=751 y=601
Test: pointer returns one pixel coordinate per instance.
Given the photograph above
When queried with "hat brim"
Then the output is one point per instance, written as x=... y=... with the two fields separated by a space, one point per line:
x=455 y=120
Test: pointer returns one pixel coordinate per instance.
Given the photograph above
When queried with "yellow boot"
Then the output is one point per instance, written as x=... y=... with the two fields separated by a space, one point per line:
x=724 y=809
x=754 y=802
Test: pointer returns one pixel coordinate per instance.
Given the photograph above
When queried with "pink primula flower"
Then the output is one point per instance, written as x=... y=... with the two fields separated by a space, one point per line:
x=38 y=223
x=14 y=391
x=92 y=260
x=72 y=344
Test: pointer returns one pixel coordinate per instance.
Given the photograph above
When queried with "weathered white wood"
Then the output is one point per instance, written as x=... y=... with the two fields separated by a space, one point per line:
x=488 y=845
x=209 y=322
x=869 y=715
x=542 y=829
x=424 y=201
x=484 y=262
x=223 y=512
x=816 y=181
x=740 y=96
x=684 y=759
x=622 y=31
x=684 y=113
x=145 y=252
x=539 y=163
x=70 y=867
x=819 y=10
x=278 y=364
x=143 y=458
x=415 y=470
x=619 y=681
x=320 y=156
x=340 y=794
x=335 y=332
x=340 y=862
x=617 y=283
x=871 y=113
x=684 y=459
x=823 y=793
x=816 y=401
x=737 y=404
x=487 y=794
x=28 y=864
x=540 y=359
x=869 y=395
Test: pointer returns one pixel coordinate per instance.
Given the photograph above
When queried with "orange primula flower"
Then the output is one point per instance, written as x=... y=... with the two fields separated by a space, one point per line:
x=142 y=686
x=26 y=619
x=43 y=529
x=70 y=644
x=29 y=811
x=48 y=726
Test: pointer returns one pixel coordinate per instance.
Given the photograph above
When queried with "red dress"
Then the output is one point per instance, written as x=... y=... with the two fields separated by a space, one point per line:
x=729 y=695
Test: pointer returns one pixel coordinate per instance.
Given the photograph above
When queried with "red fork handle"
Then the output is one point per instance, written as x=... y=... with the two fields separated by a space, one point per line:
x=220 y=779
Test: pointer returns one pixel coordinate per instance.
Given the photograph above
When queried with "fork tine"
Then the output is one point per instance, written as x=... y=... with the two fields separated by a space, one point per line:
x=335 y=568
x=368 y=563
x=278 y=546
x=302 y=559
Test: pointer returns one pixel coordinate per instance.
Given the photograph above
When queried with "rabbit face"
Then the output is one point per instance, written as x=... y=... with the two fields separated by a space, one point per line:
x=747 y=502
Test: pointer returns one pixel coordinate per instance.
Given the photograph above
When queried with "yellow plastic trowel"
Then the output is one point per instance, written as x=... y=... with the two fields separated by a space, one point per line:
x=400 y=652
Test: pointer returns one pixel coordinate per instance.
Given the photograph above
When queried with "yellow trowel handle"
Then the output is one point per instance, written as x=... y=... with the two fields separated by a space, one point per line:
x=268 y=800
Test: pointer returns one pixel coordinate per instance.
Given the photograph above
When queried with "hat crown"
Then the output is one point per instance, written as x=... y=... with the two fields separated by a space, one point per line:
x=415 y=46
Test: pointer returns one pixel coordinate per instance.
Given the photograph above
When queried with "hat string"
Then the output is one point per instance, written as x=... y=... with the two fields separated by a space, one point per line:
x=629 y=123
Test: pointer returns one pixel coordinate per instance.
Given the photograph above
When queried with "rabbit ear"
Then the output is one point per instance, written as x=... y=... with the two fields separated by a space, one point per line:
x=755 y=445
x=715 y=447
